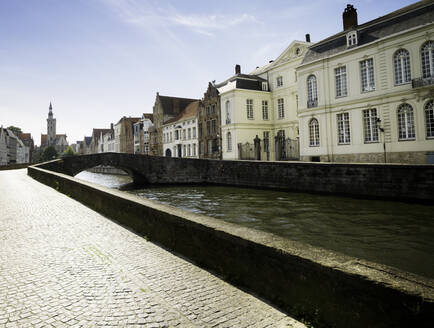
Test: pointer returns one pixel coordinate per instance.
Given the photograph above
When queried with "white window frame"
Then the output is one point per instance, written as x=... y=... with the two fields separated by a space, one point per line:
x=281 y=108
x=312 y=91
x=314 y=140
x=229 y=141
x=370 y=127
x=228 y=111
x=401 y=65
x=279 y=81
x=341 y=81
x=406 y=123
x=265 y=110
x=343 y=125
x=352 y=39
x=427 y=59
x=249 y=108
x=367 y=75
x=429 y=119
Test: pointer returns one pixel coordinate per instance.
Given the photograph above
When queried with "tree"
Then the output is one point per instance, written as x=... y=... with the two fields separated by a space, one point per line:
x=16 y=130
x=69 y=152
x=48 y=154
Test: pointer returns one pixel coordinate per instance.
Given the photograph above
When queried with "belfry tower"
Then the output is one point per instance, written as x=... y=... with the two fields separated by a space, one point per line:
x=51 y=127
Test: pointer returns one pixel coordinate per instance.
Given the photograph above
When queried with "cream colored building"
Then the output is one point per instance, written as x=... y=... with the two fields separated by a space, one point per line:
x=180 y=134
x=366 y=94
x=263 y=105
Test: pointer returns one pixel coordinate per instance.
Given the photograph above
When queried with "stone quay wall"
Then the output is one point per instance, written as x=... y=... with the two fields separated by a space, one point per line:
x=14 y=166
x=319 y=286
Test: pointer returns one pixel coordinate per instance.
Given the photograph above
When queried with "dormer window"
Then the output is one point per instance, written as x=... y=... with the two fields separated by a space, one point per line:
x=264 y=86
x=352 y=39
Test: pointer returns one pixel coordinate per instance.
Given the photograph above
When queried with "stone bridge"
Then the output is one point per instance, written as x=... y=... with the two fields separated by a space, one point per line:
x=386 y=181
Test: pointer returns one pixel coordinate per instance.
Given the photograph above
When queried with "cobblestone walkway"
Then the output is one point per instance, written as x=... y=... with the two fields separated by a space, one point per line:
x=62 y=265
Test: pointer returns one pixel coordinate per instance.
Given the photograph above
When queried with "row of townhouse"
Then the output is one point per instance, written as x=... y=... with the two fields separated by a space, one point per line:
x=364 y=94
x=128 y=135
x=15 y=148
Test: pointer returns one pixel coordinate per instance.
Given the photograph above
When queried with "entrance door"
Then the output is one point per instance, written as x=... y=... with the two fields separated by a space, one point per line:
x=179 y=150
x=168 y=153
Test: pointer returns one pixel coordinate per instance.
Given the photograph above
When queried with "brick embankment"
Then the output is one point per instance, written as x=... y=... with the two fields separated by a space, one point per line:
x=62 y=264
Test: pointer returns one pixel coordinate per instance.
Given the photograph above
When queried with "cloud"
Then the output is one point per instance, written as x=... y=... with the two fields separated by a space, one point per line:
x=168 y=19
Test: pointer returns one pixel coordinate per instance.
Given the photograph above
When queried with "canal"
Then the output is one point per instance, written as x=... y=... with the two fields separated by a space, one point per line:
x=393 y=233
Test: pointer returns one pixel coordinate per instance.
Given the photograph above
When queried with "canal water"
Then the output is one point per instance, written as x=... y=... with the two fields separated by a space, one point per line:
x=392 y=233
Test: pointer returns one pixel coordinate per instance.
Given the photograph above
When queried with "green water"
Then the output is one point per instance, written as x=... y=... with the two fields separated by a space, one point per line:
x=392 y=233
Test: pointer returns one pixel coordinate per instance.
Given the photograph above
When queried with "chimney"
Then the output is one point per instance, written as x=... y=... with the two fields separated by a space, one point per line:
x=308 y=37
x=237 y=69
x=349 y=17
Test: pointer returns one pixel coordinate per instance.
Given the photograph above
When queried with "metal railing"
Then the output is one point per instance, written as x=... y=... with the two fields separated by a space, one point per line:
x=422 y=82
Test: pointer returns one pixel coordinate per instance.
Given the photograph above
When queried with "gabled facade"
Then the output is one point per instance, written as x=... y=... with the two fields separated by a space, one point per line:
x=209 y=122
x=180 y=138
x=96 y=143
x=141 y=134
x=366 y=94
x=165 y=108
x=124 y=134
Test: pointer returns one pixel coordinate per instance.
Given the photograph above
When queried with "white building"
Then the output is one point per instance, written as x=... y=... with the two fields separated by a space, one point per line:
x=262 y=105
x=366 y=93
x=141 y=134
x=180 y=134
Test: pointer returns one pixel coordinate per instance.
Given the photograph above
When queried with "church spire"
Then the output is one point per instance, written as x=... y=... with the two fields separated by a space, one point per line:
x=50 y=110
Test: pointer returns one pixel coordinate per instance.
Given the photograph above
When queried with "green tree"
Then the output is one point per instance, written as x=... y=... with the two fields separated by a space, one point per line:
x=69 y=152
x=16 y=130
x=48 y=154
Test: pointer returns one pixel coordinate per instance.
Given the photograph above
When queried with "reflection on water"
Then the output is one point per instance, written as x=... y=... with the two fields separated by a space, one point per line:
x=396 y=234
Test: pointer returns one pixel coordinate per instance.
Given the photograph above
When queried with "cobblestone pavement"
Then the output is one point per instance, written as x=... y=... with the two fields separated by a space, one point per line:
x=62 y=265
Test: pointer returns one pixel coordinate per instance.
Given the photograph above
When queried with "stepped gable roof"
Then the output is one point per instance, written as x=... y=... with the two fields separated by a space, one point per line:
x=414 y=15
x=129 y=119
x=189 y=112
x=169 y=104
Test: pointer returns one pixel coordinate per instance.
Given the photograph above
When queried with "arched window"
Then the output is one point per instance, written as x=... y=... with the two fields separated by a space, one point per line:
x=312 y=93
x=406 y=129
x=228 y=111
x=402 y=66
x=313 y=133
x=429 y=119
x=427 y=54
x=229 y=140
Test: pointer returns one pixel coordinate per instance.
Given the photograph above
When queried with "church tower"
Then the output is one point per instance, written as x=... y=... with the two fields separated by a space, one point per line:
x=51 y=127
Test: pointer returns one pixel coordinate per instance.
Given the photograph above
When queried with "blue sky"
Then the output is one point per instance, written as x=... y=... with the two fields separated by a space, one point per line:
x=98 y=60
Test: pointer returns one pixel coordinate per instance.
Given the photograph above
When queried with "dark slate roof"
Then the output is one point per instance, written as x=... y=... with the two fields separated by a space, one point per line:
x=420 y=13
x=244 y=81
x=174 y=105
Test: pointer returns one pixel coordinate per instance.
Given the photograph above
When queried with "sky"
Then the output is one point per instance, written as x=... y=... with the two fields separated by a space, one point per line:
x=99 y=60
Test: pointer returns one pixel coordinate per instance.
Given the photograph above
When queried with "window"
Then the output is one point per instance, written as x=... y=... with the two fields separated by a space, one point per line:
x=406 y=129
x=228 y=112
x=264 y=109
x=341 y=81
x=185 y=152
x=202 y=147
x=213 y=111
x=176 y=134
x=171 y=135
x=427 y=53
x=312 y=95
x=429 y=119
x=343 y=128
x=402 y=66
x=367 y=74
x=280 y=108
x=264 y=86
x=189 y=150
x=279 y=81
x=194 y=132
x=183 y=134
x=214 y=126
x=194 y=149
x=208 y=128
x=313 y=133
x=249 y=105
x=189 y=133
x=229 y=141
x=200 y=129
x=208 y=110
x=209 y=146
x=352 y=39
x=370 y=125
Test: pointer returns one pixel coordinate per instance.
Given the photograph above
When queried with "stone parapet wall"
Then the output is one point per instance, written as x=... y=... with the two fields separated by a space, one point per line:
x=14 y=166
x=320 y=286
x=386 y=181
